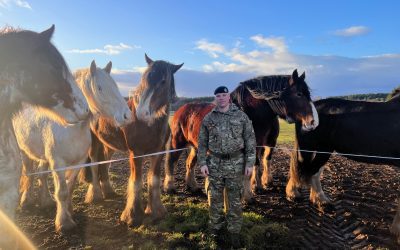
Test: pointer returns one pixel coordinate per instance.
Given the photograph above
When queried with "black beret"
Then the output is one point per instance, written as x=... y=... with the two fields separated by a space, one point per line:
x=221 y=89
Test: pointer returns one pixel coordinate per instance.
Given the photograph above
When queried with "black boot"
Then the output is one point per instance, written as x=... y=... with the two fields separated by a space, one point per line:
x=235 y=241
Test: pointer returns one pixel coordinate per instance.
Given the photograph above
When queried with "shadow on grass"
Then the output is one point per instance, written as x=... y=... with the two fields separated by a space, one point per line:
x=185 y=227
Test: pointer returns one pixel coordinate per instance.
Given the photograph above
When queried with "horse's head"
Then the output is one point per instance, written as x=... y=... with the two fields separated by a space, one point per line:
x=102 y=93
x=36 y=73
x=298 y=103
x=156 y=90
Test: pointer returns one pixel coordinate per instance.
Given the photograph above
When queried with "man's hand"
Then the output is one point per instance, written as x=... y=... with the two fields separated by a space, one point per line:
x=248 y=171
x=204 y=170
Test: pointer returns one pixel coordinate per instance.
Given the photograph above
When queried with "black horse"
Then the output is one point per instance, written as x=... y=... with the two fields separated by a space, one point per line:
x=349 y=127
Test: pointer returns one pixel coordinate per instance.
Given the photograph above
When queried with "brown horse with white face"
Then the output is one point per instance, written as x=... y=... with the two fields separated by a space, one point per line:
x=148 y=133
x=263 y=99
x=31 y=71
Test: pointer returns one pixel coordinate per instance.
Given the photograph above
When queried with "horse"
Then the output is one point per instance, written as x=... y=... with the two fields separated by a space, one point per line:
x=263 y=99
x=147 y=133
x=32 y=71
x=349 y=127
x=48 y=143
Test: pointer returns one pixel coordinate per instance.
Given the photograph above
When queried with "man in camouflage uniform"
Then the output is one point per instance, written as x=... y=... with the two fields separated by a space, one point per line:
x=226 y=151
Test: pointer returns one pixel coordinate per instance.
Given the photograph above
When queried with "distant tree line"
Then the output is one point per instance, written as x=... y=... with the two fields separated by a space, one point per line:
x=378 y=97
x=375 y=97
x=183 y=100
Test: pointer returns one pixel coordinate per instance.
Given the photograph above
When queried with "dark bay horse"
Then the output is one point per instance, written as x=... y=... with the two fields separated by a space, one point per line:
x=147 y=133
x=350 y=127
x=34 y=72
x=263 y=99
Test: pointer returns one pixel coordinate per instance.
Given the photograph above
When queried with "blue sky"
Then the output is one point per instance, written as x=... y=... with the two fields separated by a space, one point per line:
x=345 y=47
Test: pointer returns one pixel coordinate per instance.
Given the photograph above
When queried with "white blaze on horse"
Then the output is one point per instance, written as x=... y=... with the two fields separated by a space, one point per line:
x=31 y=71
x=48 y=142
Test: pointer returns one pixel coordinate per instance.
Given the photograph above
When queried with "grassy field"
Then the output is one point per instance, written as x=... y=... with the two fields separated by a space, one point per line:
x=286 y=133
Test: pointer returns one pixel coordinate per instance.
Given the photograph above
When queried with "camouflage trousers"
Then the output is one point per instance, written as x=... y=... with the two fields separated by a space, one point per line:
x=220 y=189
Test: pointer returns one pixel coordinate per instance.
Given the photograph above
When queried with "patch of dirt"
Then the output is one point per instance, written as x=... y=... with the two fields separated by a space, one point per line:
x=363 y=195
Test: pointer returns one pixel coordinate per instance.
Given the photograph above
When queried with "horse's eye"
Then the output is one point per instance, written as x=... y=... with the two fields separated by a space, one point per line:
x=299 y=94
x=100 y=89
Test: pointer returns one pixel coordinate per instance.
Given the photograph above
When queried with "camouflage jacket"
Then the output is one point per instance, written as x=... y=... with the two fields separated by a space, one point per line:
x=225 y=133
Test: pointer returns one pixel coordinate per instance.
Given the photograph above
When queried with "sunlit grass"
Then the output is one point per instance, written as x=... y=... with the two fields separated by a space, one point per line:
x=286 y=132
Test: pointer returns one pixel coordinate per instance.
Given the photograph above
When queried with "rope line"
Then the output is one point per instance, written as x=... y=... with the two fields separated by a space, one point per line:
x=84 y=165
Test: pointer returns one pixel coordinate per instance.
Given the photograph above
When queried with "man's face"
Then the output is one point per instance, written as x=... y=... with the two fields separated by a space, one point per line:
x=222 y=100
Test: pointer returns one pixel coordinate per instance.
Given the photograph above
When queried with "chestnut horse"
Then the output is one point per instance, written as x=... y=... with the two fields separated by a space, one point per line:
x=31 y=71
x=349 y=127
x=147 y=133
x=263 y=99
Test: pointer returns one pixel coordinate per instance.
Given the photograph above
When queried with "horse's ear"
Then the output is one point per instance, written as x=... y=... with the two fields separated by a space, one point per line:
x=303 y=76
x=93 y=68
x=294 y=77
x=108 y=67
x=176 y=67
x=47 y=34
x=148 y=60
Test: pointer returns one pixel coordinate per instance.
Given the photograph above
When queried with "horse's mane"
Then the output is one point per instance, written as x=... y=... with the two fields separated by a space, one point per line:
x=10 y=29
x=394 y=95
x=269 y=85
x=80 y=75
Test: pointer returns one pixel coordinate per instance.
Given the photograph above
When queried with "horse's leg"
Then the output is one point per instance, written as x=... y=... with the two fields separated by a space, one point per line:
x=190 y=177
x=252 y=184
x=45 y=199
x=294 y=183
x=176 y=141
x=133 y=212
x=266 y=178
x=10 y=169
x=26 y=191
x=93 y=193
x=155 y=208
x=317 y=195
x=63 y=221
x=105 y=184
x=395 y=227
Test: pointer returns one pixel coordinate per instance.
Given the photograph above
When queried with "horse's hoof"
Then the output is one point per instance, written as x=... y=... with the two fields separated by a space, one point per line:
x=66 y=226
x=249 y=201
x=26 y=206
x=132 y=219
x=110 y=195
x=193 y=190
x=170 y=191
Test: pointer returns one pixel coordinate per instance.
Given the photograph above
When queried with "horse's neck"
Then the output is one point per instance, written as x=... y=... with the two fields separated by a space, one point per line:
x=10 y=96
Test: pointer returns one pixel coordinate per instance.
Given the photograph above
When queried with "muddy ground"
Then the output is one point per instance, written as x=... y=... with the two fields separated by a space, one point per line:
x=364 y=204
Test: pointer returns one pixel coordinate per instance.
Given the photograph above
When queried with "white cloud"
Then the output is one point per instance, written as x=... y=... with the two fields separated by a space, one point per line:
x=23 y=4
x=352 y=31
x=327 y=75
x=20 y=3
x=213 y=49
x=273 y=57
x=107 y=49
x=277 y=44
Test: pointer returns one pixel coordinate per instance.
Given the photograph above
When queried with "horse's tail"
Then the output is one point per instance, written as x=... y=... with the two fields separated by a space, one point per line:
x=85 y=175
